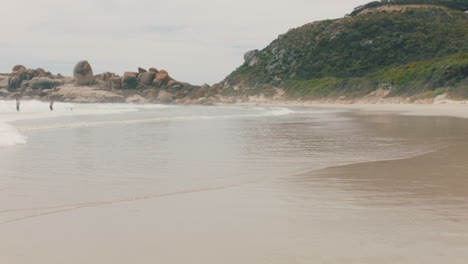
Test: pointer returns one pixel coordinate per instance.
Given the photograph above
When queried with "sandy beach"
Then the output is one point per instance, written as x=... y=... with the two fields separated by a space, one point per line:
x=247 y=132
x=244 y=191
x=448 y=108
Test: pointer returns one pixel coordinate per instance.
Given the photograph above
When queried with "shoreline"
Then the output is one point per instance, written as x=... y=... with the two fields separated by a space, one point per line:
x=459 y=110
x=442 y=172
x=448 y=109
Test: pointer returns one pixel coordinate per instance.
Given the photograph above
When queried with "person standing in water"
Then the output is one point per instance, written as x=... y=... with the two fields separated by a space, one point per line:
x=51 y=106
x=17 y=105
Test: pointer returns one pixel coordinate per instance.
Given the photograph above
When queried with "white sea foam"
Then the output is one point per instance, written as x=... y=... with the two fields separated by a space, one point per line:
x=9 y=136
x=32 y=110
x=271 y=112
x=279 y=111
x=36 y=109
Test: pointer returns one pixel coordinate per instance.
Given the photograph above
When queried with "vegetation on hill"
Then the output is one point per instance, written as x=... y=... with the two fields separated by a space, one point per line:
x=453 y=4
x=424 y=79
x=416 y=50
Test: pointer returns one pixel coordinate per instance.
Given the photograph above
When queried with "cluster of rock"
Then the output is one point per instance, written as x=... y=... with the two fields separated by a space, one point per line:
x=142 y=79
x=22 y=78
x=141 y=86
x=29 y=82
x=83 y=75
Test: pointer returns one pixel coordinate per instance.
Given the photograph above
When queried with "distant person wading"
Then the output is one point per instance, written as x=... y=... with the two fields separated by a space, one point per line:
x=17 y=105
x=51 y=106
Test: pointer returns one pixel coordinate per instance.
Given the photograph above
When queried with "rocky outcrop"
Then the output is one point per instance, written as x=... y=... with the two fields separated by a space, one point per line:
x=40 y=72
x=17 y=75
x=20 y=76
x=147 y=77
x=105 y=76
x=171 y=83
x=144 y=79
x=136 y=99
x=165 y=97
x=43 y=83
x=115 y=83
x=155 y=86
x=85 y=94
x=19 y=68
x=161 y=78
x=4 y=81
x=83 y=73
x=14 y=82
x=249 y=55
x=129 y=80
x=4 y=92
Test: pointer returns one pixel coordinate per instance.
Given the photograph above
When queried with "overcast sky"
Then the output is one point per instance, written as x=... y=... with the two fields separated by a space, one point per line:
x=196 y=41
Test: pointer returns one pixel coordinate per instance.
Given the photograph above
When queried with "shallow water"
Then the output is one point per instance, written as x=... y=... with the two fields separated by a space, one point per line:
x=133 y=183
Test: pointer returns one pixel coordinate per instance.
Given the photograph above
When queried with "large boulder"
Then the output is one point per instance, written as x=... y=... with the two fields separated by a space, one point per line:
x=249 y=55
x=31 y=73
x=147 y=77
x=41 y=72
x=19 y=68
x=129 y=80
x=141 y=70
x=106 y=76
x=162 y=77
x=83 y=73
x=14 y=82
x=44 y=83
x=25 y=84
x=165 y=97
x=18 y=74
x=115 y=83
x=153 y=70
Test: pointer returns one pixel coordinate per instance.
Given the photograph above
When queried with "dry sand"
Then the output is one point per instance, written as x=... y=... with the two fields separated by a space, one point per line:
x=448 y=108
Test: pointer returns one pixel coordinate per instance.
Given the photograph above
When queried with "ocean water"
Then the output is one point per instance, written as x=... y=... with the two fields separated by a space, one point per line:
x=83 y=153
x=119 y=183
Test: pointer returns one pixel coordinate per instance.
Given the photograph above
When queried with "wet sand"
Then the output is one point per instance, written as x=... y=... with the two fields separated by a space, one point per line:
x=441 y=176
x=412 y=210
x=357 y=213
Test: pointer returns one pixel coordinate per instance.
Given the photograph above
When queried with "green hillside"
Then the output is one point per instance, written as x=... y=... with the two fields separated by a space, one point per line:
x=416 y=50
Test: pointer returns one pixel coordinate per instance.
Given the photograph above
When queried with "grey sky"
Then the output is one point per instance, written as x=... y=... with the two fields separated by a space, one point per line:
x=196 y=41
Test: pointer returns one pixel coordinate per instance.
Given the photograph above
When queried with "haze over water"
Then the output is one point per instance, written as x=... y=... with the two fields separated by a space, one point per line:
x=118 y=183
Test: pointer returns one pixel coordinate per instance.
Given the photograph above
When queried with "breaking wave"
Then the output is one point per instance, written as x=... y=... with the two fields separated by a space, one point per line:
x=33 y=110
x=9 y=136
